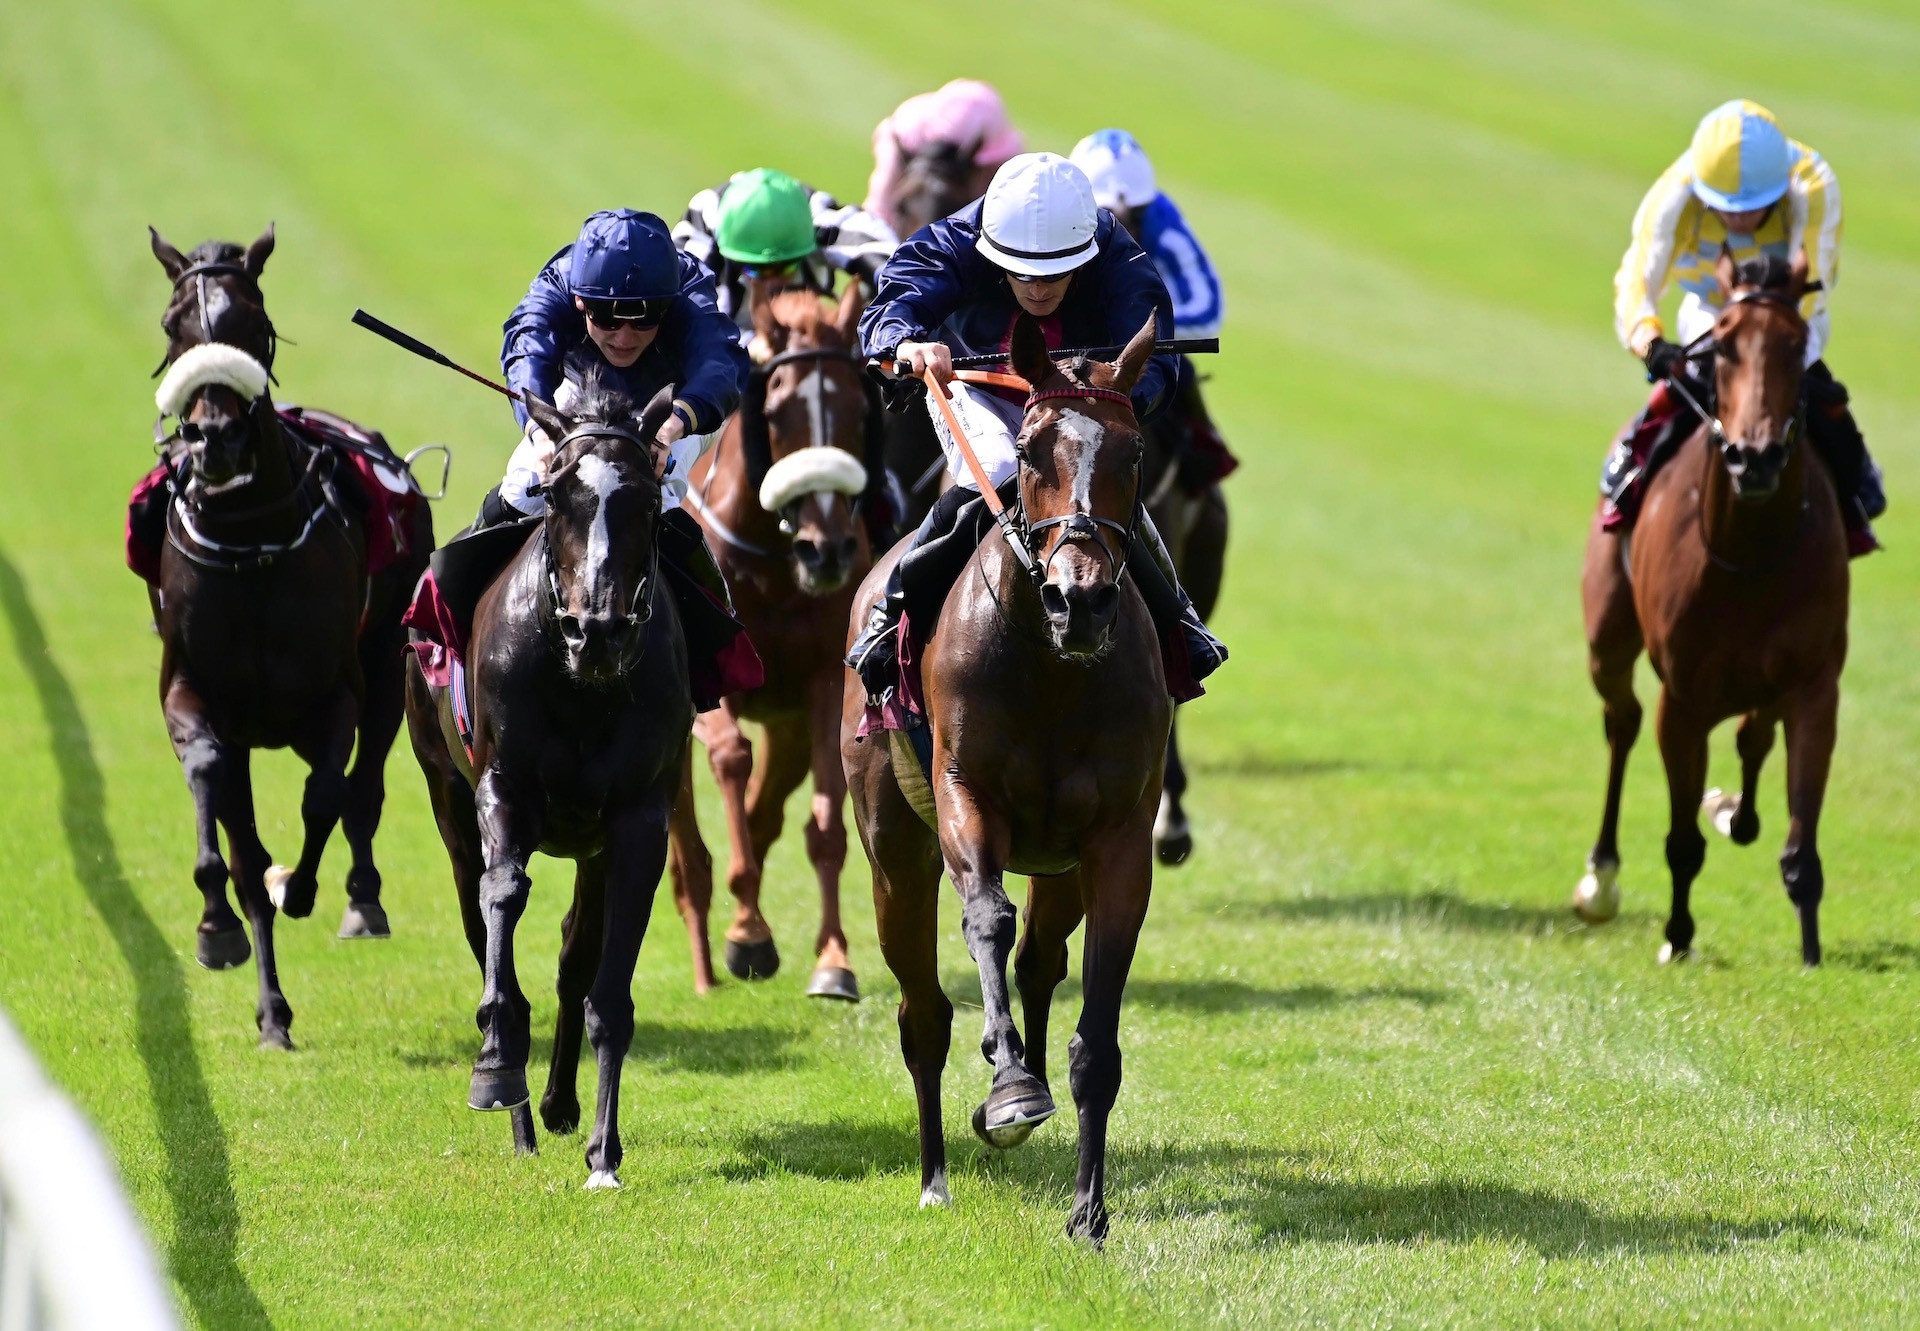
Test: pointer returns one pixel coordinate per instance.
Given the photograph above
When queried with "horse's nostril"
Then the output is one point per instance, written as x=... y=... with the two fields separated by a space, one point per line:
x=572 y=629
x=1054 y=601
x=849 y=548
x=1102 y=600
x=807 y=551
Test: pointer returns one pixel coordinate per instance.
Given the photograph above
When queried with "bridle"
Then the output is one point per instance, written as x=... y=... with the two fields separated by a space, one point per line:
x=189 y=537
x=199 y=273
x=640 y=609
x=1080 y=525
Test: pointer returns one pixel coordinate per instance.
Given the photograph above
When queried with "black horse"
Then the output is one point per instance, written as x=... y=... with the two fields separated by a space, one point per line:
x=263 y=579
x=580 y=718
x=216 y=298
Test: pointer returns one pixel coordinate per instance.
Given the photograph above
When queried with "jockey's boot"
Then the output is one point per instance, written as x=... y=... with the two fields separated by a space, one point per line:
x=1167 y=602
x=926 y=569
x=1836 y=437
x=1205 y=460
x=683 y=544
x=1653 y=435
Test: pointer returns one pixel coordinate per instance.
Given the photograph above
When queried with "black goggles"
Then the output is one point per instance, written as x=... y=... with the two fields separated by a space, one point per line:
x=616 y=314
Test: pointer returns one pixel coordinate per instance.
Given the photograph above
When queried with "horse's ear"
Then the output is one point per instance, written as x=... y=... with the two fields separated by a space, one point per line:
x=853 y=303
x=170 y=258
x=1724 y=270
x=1028 y=351
x=257 y=253
x=547 y=416
x=655 y=413
x=1133 y=359
x=1797 y=274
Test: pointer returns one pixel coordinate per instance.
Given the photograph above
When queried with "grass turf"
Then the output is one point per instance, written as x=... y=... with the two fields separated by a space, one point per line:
x=1375 y=1073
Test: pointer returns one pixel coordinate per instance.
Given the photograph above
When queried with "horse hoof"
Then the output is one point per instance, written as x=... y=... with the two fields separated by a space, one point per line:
x=602 y=1180
x=1174 y=848
x=753 y=961
x=1009 y=1115
x=562 y=1118
x=499 y=1088
x=365 y=920
x=834 y=982
x=276 y=1037
x=935 y=1193
x=1723 y=809
x=1669 y=953
x=1597 y=899
x=292 y=900
x=223 y=949
x=1088 y=1224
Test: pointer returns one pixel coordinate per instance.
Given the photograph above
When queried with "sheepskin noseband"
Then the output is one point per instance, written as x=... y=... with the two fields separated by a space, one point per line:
x=811 y=471
x=209 y=363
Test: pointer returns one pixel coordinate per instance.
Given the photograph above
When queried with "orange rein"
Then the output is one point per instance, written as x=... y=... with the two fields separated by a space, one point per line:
x=938 y=391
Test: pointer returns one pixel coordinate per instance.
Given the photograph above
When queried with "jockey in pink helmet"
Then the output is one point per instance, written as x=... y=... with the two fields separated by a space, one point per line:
x=963 y=112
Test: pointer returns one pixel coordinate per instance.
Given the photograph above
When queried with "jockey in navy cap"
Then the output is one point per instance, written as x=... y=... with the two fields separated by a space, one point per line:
x=623 y=297
x=1038 y=245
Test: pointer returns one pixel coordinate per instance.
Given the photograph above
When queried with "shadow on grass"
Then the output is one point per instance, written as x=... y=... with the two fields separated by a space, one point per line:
x=1272 y=766
x=1877 y=958
x=1279 y=1196
x=1434 y=908
x=735 y=1051
x=199 y=1175
x=1224 y=996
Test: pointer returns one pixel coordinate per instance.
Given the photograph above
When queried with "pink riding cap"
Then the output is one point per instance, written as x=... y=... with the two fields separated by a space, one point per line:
x=964 y=111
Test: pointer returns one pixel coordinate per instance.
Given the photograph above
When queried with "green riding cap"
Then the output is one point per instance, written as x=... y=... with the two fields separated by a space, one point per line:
x=765 y=218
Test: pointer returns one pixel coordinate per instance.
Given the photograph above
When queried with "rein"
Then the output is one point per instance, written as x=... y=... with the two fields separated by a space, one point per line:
x=186 y=536
x=199 y=273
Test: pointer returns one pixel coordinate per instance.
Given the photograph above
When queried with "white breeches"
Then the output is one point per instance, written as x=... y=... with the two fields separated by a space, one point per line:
x=528 y=465
x=991 y=425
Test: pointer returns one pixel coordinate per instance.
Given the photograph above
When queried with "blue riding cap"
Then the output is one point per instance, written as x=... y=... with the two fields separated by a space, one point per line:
x=624 y=255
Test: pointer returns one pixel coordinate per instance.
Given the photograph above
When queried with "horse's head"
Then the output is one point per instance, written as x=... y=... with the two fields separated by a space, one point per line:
x=218 y=393
x=601 y=528
x=1080 y=450
x=939 y=179
x=815 y=408
x=216 y=297
x=1759 y=345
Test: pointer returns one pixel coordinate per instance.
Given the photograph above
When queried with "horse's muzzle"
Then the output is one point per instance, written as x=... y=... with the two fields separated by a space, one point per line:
x=1081 y=614
x=1755 y=472
x=599 y=646
x=824 y=564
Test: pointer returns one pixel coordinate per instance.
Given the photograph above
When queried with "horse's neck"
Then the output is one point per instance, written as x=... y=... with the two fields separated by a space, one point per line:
x=726 y=490
x=1749 y=535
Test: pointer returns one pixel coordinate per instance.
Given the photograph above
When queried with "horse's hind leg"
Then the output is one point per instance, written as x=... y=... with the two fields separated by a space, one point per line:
x=1116 y=875
x=826 y=835
x=1738 y=817
x=326 y=750
x=580 y=939
x=1811 y=723
x=273 y=1015
x=382 y=664
x=636 y=856
x=1613 y=646
x=691 y=865
x=221 y=940
x=1202 y=562
x=1683 y=748
x=1054 y=909
x=509 y=834
x=453 y=809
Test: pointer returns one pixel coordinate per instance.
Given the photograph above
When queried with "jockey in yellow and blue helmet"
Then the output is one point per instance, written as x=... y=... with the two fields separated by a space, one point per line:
x=1744 y=186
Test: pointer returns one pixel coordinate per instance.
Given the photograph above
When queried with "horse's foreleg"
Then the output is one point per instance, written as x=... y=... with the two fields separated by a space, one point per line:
x=250 y=863
x=1613 y=646
x=1739 y=818
x=326 y=751
x=1040 y=960
x=1116 y=876
x=580 y=943
x=221 y=940
x=692 y=868
x=636 y=856
x=509 y=835
x=827 y=840
x=1172 y=833
x=1811 y=723
x=750 y=953
x=382 y=664
x=1683 y=748
x=975 y=846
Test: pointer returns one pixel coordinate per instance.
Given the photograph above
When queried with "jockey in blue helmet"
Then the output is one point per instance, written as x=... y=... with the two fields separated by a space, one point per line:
x=1038 y=245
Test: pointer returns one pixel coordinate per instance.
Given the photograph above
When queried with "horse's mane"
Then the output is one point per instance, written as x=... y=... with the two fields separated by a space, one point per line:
x=601 y=398
x=1763 y=272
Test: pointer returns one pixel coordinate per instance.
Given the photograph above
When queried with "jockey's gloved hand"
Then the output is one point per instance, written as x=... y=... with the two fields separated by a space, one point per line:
x=1662 y=358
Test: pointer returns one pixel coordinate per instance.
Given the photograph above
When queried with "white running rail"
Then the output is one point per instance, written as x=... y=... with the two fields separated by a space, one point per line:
x=72 y=1256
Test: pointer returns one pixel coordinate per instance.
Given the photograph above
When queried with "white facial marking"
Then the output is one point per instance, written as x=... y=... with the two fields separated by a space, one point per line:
x=598 y=476
x=1087 y=434
x=812 y=389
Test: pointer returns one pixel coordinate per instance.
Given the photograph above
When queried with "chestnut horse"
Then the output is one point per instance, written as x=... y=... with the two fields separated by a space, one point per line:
x=581 y=707
x=779 y=500
x=1736 y=579
x=1048 y=706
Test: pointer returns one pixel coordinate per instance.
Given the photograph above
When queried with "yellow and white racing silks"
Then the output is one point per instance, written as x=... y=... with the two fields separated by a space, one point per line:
x=1677 y=239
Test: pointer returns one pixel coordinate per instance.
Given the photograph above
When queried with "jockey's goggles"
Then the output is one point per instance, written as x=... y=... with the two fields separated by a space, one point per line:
x=1038 y=279
x=612 y=315
x=785 y=269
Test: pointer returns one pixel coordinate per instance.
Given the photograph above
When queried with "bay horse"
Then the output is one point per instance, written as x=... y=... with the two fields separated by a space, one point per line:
x=263 y=579
x=580 y=711
x=778 y=497
x=1048 y=708
x=216 y=298
x=1736 y=580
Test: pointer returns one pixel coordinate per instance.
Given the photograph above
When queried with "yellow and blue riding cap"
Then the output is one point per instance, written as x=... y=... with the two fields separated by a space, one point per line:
x=1740 y=158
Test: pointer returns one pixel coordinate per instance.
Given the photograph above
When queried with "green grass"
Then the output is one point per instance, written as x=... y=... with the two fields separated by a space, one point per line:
x=1375 y=1073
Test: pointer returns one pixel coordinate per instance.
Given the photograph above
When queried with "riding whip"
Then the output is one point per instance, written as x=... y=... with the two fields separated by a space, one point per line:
x=421 y=349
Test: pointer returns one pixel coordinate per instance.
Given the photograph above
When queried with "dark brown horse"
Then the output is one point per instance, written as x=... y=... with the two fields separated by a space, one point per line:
x=1736 y=579
x=1049 y=712
x=216 y=298
x=263 y=577
x=581 y=708
x=778 y=498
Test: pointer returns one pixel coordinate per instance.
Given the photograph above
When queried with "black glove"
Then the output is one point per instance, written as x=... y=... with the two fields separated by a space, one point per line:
x=1662 y=359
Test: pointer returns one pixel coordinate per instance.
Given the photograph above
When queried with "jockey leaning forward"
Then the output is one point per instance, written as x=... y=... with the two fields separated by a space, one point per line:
x=1035 y=244
x=1742 y=185
x=763 y=230
x=1124 y=184
x=964 y=114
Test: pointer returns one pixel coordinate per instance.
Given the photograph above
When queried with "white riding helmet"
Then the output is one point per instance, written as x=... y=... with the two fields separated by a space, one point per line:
x=1039 y=216
x=1118 y=167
